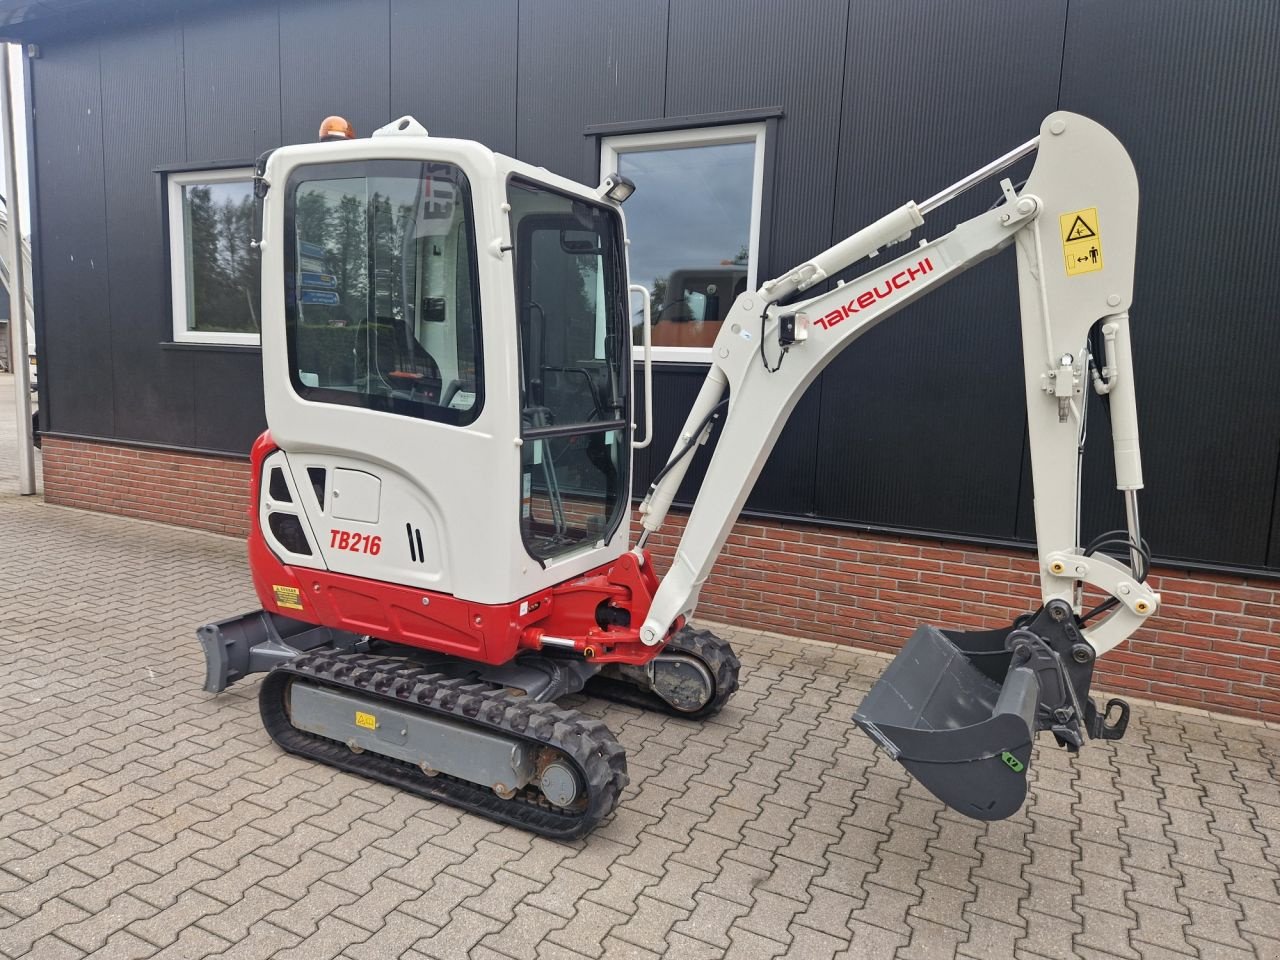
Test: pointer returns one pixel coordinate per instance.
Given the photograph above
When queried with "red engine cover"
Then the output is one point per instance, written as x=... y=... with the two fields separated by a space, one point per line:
x=490 y=633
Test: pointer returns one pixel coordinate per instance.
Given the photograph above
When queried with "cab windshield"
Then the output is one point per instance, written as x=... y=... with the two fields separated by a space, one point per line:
x=382 y=303
x=574 y=369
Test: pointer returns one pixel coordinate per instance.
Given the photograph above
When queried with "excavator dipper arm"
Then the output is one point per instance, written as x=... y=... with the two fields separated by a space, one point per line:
x=1074 y=227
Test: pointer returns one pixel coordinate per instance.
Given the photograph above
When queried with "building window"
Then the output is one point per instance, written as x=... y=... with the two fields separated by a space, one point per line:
x=215 y=271
x=694 y=227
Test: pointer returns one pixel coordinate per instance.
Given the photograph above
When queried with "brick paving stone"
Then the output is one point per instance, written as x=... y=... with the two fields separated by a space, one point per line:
x=16 y=940
x=52 y=947
x=711 y=921
x=585 y=933
x=123 y=945
x=163 y=927
x=93 y=932
x=169 y=888
x=464 y=931
x=519 y=938
x=233 y=922
x=26 y=899
x=303 y=916
x=264 y=941
x=649 y=925
x=140 y=816
x=437 y=904
x=687 y=948
x=622 y=950
x=332 y=938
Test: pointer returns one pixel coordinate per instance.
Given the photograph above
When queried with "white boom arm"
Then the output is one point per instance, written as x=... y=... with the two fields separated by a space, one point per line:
x=1074 y=226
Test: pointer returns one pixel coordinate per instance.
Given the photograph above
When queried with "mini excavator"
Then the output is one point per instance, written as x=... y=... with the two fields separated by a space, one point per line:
x=442 y=523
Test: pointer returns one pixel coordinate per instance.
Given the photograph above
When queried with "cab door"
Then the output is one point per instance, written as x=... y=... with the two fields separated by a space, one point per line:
x=574 y=371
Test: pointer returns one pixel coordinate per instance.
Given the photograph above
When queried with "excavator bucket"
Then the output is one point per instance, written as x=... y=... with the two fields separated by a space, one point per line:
x=953 y=712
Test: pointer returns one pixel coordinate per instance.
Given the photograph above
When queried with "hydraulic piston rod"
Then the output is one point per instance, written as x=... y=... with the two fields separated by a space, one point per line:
x=973 y=179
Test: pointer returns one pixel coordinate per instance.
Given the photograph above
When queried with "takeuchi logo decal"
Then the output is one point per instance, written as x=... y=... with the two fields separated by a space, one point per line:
x=862 y=301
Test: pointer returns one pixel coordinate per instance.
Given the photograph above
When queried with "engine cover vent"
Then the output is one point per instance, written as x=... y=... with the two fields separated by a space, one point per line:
x=416 y=553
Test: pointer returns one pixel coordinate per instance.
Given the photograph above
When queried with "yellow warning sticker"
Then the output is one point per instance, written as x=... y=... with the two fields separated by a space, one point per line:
x=290 y=597
x=366 y=720
x=1082 y=241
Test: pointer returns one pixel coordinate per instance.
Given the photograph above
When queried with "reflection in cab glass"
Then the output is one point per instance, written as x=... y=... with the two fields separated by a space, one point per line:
x=382 y=306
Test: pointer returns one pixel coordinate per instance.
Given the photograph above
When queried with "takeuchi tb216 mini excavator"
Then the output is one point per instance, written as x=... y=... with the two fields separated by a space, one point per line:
x=442 y=540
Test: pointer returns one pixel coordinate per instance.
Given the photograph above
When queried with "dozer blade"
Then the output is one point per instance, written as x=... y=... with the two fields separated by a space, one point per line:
x=964 y=735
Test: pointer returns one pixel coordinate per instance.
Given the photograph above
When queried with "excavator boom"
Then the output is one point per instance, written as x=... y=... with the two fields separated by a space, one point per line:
x=951 y=706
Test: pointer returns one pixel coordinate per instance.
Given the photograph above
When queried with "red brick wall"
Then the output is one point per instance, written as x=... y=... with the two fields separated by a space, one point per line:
x=209 y=493
x=1214 y=644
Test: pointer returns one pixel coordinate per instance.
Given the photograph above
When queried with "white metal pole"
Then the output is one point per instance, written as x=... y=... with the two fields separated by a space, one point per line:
x=17 y=283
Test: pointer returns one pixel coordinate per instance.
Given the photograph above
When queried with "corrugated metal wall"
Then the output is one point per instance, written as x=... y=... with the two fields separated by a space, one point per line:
x=919 y=426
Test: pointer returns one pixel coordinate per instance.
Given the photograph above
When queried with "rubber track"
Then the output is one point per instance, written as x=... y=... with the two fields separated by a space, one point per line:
x=586 y=742
x=714 y=653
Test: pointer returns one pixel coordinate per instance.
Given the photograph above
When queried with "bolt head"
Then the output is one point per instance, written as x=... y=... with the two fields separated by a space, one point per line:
x=1113 y=300
x=1058 y=126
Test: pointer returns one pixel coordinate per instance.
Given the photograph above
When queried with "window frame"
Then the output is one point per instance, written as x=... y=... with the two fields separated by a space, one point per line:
x=178 y=279
x=611 y=147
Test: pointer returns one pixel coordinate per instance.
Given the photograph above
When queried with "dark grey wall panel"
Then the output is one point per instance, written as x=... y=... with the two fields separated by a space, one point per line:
x=1197 y=111
x=442 y=82
x=582 y=63
x=1273 y=555
x=232 y=113
x=794 y=61
x=228 y=400
x=153 y=390
x=922 y=420
x=786 y=484
x=334 y=60
x=73 y=240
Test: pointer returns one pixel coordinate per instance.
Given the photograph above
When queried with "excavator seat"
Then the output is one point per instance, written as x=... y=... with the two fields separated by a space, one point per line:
x=951 y=710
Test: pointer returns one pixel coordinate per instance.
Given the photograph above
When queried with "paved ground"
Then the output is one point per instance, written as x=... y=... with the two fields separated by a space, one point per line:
x=141 y=817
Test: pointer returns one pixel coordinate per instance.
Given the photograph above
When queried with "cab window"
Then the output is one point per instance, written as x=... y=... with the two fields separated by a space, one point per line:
x=382 y=300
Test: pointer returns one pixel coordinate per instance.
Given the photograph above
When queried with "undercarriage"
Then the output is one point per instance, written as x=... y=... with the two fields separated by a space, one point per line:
x=488 y=739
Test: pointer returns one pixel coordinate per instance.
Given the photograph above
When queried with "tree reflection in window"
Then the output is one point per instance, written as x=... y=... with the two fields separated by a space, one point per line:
x=223 y=270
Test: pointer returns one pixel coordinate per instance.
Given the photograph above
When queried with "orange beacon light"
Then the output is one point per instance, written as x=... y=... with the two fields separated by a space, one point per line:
x=336 y=128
